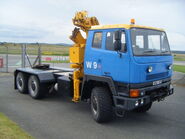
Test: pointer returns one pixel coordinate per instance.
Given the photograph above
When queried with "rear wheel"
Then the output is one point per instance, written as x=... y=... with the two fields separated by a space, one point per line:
x=144 y=108
x=101 y=105
x=35 y=89
x=22 y=82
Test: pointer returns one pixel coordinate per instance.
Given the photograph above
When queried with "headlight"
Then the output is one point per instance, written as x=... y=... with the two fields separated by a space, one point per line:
x=149 y=69
x=137 y=103
x=169 y=67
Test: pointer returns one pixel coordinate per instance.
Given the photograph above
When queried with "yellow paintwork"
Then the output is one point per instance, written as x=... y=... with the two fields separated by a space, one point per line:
x=77 y=37
x=126 y=26
x=76 y=84
x=82 y=20
x=76 y=52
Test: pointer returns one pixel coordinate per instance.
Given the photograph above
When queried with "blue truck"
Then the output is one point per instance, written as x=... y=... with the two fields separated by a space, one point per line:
x=125 y=68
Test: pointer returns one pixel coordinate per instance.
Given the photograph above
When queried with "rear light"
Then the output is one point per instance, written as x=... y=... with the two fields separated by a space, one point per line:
x=134 y=93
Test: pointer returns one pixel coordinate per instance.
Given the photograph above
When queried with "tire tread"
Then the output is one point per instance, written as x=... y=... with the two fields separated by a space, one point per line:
x=105 y=104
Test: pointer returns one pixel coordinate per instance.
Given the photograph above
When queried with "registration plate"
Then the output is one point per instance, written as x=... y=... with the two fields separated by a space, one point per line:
x=157 y=82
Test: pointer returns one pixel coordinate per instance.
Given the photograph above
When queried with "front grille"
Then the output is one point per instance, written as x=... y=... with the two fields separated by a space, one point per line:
x=158 y=75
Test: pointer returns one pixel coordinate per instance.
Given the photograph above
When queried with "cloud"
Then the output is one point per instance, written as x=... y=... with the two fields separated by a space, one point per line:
x=176 y=40
x=13 y=33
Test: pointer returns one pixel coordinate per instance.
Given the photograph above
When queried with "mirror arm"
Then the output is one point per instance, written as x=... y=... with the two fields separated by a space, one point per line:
x=120 y=54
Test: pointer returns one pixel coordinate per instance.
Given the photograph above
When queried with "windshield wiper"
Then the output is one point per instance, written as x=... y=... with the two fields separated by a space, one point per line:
x=164 y=51
x=148 y=51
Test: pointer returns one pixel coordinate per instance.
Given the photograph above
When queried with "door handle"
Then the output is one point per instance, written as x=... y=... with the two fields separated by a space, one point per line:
x=99 y=60
x=106 y=73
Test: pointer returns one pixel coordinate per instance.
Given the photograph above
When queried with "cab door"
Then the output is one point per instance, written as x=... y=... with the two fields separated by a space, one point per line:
x=115 y=63
x=93 y=53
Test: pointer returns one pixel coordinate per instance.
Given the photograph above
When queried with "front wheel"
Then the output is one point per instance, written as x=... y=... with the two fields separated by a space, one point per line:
x=35 y=89
x=144 y=108
x=101 y=105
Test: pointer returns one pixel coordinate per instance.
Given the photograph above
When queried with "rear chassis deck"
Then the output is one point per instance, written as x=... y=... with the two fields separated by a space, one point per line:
x=46 y=75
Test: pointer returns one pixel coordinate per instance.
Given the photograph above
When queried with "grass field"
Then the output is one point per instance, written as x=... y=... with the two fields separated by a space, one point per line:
x=179 y=68
x=56 y=61
x=32 y=49
x=179 y=57
x=52 y=49
x=10 y=130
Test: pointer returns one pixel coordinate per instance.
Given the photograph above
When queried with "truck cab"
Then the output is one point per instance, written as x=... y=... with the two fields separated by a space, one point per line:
x=133 y=62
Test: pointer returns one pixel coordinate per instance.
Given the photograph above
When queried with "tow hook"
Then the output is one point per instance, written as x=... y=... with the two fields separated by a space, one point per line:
x=120 y=112
x=160 y=99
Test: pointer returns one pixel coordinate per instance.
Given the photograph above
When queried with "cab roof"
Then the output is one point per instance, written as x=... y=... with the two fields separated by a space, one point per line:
x=126 y=26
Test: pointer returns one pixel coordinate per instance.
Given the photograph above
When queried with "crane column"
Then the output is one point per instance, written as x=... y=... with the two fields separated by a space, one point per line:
x=76 y=52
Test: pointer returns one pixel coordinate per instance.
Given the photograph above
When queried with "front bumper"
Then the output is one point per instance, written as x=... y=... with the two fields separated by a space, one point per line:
x=127 y=103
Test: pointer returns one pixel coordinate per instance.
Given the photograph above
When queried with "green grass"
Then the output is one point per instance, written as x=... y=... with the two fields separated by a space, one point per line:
x=56 y=61
x=32 y=49
x=179 y=68
x=10 y=130
x=179 y=57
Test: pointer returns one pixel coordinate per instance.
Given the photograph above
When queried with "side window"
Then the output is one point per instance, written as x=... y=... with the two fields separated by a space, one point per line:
x=110 y=41
x=97 y=40
x=123 y=42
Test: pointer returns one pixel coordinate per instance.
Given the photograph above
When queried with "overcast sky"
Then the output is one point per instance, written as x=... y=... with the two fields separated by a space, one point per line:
x=50 y=20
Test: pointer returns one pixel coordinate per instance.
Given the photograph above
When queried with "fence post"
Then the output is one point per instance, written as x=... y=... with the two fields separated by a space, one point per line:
x=23 y=56
x=6 y=58
x=39 y=54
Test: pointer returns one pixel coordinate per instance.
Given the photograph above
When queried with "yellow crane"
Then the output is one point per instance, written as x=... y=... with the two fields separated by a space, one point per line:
x=76 y=52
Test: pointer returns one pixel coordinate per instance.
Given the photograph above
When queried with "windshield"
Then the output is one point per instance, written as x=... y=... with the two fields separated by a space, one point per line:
x=149 y=42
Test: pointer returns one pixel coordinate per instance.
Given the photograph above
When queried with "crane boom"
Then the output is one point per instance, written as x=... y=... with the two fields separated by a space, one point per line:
x=82 y=20
x=84 y=23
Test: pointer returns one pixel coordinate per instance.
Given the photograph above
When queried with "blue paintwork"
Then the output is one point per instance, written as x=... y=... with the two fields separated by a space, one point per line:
x=128 y=68
x=139 y=67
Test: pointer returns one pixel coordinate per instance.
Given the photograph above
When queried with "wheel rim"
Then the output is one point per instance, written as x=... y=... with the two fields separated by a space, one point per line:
x=19 y=82
x=94 y=105
x=33 y=88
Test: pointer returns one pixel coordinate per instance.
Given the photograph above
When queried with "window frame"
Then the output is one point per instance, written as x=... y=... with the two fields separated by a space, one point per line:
x=170 y=53
x=110 y=31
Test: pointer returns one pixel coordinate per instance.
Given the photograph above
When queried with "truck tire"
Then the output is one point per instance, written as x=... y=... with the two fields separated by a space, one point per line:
x=101 y=105
x=144 y=108
x=35 y=89
x=22 y=83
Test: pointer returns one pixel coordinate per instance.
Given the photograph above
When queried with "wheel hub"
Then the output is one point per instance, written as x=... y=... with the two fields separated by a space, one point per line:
x=94 y=105
x=33 y=86
x=20 y=82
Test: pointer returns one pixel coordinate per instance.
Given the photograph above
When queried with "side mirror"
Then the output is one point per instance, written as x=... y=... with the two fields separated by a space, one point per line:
x=124 y=47
x=117 y=35
x=117 y=42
